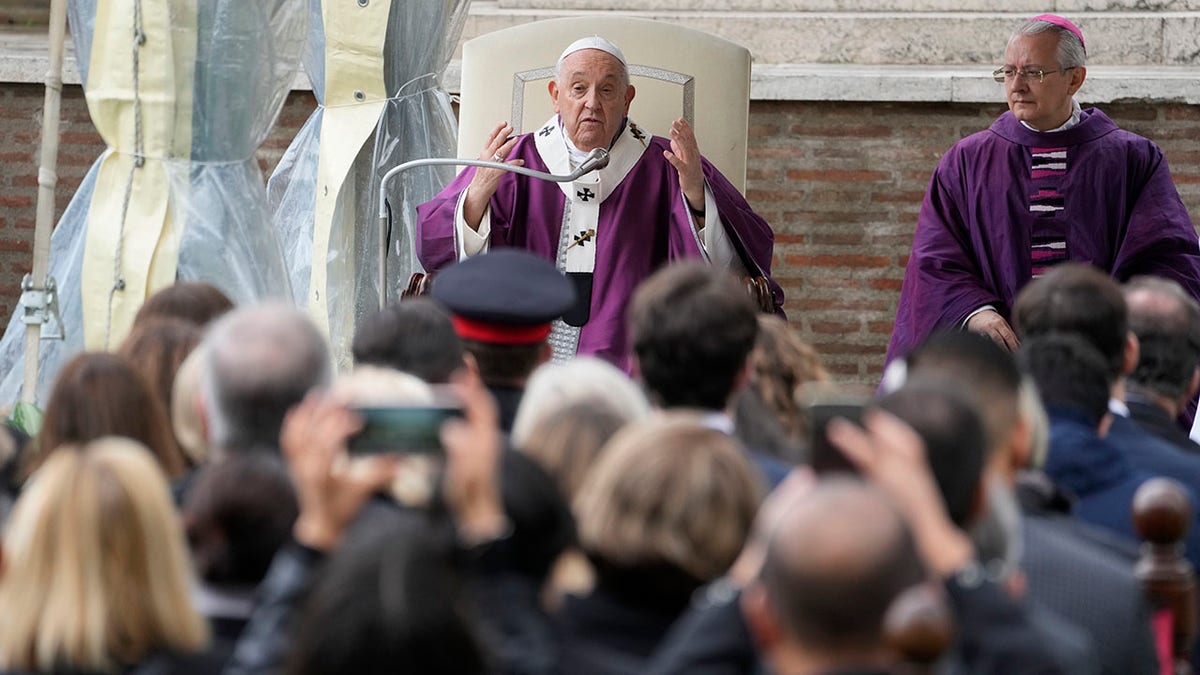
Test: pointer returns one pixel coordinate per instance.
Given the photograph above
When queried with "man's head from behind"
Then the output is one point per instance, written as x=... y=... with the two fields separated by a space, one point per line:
x=692 y=329
x=1080 y=299
x=1070 y=374
x=1166 y=321
x=259 y=362
x=990 y=376
x=834 y=564
x=1044 y=65
x=414 y=336
x=954 y=437
x=591 y=92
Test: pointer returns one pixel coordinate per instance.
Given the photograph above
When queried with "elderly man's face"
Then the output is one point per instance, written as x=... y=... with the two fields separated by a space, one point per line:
x=592 y=97
x=1042 y=105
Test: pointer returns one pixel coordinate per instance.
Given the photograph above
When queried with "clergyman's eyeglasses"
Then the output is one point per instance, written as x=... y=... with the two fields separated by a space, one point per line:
x=1002 y=74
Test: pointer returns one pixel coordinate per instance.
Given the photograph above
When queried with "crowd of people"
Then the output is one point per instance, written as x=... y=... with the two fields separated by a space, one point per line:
x=195 y=502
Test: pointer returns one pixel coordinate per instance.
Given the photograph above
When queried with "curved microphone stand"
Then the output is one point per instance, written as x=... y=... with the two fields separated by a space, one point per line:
x=597 y=159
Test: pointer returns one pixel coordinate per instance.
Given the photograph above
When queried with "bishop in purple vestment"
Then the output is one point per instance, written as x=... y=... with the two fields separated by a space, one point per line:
x=657 y=200
x=1047 y=182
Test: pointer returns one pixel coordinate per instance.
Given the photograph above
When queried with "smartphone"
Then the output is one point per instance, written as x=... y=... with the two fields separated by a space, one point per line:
x=825 y=457
x=411 y=429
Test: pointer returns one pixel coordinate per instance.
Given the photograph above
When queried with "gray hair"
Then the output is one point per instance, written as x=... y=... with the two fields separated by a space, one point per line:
x=554 y=387
x=1071 y=53
x=259 y=361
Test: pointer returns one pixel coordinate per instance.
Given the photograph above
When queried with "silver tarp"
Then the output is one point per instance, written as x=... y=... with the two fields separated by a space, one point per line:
x=182 y=114
x=375 y=68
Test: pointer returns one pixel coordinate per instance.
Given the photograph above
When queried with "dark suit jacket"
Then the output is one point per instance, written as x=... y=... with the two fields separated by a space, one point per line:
x=1151 y=454
x=1156 y=421
x=1100 y=475
x=602 y=634
x=1041 y=498
x=994 y=635
x=710 y=638
x=1093 y=589
x=508 y=399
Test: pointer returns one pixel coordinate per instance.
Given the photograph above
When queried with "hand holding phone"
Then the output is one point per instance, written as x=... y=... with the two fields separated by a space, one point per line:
x=825 y=403
x=412 y=429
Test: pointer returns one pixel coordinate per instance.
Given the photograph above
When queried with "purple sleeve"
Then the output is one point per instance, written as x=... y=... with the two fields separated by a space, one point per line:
x=943 y=283
x=747 y=230
x=1159 y=238
x=435 y=224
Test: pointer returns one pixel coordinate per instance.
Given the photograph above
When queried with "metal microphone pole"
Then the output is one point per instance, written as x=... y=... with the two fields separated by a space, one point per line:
x=596 y=159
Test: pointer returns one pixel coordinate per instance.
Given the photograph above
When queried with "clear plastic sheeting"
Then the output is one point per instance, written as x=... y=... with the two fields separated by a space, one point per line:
x=81 y=17
x=210 y=80
x=381 y=104
x=247 y=60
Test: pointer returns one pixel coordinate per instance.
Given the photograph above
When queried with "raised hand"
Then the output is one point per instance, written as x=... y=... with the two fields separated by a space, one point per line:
x=329 y=488
x=890 y=454
x=472 y=481
x=684 y=155
x=499 y=143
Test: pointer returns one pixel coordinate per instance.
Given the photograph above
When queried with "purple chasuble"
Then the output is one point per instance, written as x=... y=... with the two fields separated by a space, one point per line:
x=1006 y=203
x=643 y=224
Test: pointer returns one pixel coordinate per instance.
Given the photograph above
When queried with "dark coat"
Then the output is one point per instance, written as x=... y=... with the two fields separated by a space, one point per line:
x=161 y=663
x=1159 y=423
x=994 y=635
x=1093 y=589
x=1105 y=473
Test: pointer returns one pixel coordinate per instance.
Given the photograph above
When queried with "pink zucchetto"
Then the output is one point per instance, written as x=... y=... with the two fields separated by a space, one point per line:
x=1064 y=23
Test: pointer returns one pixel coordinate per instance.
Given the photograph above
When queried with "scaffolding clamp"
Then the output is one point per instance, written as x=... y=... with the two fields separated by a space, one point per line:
x=41 y=307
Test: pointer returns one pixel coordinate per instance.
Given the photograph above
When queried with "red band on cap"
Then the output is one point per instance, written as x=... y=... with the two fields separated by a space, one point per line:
x=470 y=329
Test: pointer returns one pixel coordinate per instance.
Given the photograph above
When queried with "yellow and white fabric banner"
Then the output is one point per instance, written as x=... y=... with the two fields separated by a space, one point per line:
x=355 y=95
x=139 y=95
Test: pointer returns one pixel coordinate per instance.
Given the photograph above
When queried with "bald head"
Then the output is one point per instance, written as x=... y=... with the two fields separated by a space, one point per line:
x=835 y=563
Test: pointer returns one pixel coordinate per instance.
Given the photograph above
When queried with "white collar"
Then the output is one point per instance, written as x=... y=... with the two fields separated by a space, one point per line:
x=1117 y=407
x=719 y=421
x=577 y=156
x=1076 y=116
x=556 y=152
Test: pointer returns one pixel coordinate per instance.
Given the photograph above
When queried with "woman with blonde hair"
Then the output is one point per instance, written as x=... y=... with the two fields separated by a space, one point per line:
x=665 y=509
x=96 y=576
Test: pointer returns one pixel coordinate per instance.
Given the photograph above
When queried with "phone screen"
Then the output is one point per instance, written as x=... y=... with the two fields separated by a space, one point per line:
x=825 y=457
x=409 y=429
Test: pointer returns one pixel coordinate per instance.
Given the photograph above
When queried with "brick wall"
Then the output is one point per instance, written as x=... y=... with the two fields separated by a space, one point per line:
x=840 y=182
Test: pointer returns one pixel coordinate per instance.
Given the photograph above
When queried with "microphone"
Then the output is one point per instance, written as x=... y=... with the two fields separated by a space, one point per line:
x=596 y=159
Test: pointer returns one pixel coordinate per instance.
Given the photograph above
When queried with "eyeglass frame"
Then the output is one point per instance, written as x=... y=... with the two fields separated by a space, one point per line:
x=1000 y=75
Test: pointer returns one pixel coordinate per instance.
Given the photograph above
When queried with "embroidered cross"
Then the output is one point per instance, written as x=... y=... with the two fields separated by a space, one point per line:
x=637 y=132
x=582 y=238
x=585 y=194
x=545 y=130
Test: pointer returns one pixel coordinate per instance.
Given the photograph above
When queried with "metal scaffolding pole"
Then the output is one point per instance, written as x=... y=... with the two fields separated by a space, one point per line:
x=38 y=297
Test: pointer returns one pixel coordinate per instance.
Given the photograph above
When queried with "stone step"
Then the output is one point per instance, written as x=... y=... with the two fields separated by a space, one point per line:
x=1122 y=38
x=1068 y=7
x=23 y=58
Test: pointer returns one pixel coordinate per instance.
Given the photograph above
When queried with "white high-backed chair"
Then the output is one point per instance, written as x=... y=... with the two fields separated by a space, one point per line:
x=678 y=72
